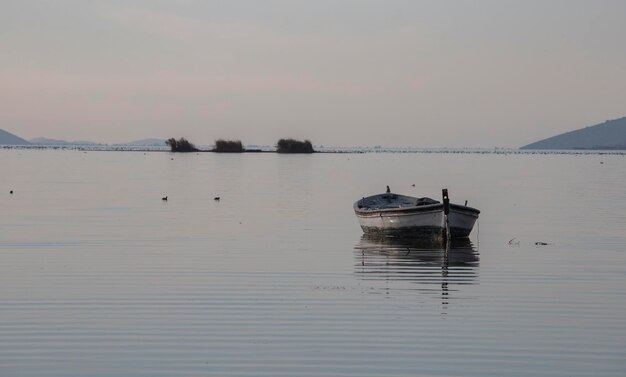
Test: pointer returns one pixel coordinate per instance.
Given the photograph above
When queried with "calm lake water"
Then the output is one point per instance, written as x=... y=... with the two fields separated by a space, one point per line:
x=100 y=277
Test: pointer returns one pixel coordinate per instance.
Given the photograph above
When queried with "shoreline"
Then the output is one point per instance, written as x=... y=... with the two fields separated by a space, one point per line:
x=340 y=150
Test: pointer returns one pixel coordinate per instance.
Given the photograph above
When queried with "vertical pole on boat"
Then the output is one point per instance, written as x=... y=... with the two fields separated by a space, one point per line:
x=446 y=211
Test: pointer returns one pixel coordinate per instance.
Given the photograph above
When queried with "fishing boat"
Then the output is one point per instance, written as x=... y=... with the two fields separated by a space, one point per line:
x=396 y=215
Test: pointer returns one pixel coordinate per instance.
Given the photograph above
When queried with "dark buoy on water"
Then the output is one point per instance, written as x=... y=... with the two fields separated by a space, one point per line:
x=11 y=192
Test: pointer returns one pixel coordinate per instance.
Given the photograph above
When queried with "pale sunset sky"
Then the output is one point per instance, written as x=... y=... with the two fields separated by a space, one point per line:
x=340 y=73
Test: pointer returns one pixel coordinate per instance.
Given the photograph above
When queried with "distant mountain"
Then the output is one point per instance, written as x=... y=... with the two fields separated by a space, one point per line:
x=56 y=142
x=147 y=143
x=7 y=138
x=608 y=135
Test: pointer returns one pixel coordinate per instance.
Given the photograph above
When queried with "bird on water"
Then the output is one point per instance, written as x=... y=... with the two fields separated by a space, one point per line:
x=217 y=198
x=164 y=198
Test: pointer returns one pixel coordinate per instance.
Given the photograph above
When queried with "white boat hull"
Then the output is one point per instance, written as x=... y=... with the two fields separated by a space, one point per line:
x=409 y=219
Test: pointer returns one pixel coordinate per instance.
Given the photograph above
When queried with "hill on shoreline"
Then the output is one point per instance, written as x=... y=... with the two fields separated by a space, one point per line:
x=604 y=136
x=152 y=142
x=57 y=142
x=7 y=138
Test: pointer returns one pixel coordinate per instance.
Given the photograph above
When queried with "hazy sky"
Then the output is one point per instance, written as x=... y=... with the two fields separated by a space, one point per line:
x=343 y=73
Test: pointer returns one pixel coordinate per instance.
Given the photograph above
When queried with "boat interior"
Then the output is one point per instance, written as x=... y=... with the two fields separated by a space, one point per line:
x=390 y=200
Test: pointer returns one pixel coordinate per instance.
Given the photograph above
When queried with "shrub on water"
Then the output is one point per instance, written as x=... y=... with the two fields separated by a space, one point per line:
x=180 y=145
x=228 y=146
x=294 y=146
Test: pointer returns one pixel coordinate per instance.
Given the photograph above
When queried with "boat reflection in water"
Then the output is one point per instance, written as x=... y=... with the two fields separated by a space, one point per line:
x=427 y=266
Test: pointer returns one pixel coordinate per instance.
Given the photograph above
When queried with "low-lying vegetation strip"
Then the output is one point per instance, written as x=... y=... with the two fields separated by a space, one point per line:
x=228 y=146
x=294 y=146
x=180 y=145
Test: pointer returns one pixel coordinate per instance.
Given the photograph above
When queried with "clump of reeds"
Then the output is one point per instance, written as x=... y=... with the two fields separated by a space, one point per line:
x=228 y=146
x=180 y=145
x=294 y=146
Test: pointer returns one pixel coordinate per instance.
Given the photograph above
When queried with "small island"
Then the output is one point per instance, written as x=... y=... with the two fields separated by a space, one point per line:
x=283 y=146
x=294 y=146
x=228 y=146
x=180 y=145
